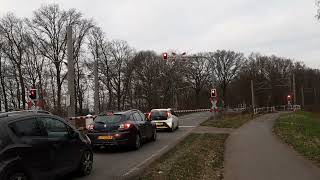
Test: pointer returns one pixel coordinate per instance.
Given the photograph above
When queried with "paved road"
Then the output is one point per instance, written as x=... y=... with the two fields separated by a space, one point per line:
x=254 y=153
x=117 y=164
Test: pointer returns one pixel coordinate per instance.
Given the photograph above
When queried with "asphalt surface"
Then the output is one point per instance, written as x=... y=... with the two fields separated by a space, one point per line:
x=122 y=163
x=253 y=152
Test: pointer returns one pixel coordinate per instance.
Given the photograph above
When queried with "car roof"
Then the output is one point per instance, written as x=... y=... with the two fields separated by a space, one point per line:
x=120 y=112
x=168 y=109
x=8 y=116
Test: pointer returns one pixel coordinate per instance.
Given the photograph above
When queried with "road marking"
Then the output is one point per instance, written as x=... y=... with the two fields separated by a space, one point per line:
x=187 y=126
x=143 y=162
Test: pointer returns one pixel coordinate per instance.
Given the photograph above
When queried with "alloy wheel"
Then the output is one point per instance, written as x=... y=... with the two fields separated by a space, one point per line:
x=18 y=176
x=138 y=143
x=87 y=162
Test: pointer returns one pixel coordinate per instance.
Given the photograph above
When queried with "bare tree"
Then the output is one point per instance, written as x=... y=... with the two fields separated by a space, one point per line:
x=49 y=28
x=120 y=55
x=81 y=31
x=14 y=48
x=99 y=48
x=197 y=73
x=147 y=73
x=225 y=66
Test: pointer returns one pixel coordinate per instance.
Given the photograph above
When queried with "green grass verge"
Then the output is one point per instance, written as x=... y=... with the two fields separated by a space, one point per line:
x=228 y=121
x=198 y=156
x=301 y=130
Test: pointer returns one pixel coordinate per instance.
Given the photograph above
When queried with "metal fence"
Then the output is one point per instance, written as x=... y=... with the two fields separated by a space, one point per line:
x=264 y=110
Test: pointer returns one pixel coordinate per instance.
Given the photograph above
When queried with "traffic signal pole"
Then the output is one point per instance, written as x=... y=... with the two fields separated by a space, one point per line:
x=294 y=90
x=71 y=86
x=96 y=85
x=252 y=95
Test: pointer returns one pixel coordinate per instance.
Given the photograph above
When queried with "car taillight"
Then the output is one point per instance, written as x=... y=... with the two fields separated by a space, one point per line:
x=149 y=115
x=90 y=127
x=124 y=126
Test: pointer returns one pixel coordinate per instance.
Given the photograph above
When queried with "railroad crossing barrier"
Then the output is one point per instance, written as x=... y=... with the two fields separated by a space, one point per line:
x=264 y=110
x=288 y=108
x=194 y=110
x=81 y=121
x=239 y=109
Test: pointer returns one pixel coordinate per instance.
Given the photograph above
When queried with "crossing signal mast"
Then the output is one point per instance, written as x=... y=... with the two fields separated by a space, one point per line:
x=165 y=56
x=174 y=56
x=213 y=93
x=33 y=98
x=36 y=100
x=289 y=99
x=33 y=94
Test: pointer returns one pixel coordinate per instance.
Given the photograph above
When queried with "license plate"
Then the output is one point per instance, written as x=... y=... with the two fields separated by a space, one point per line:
x=105 y=137
x=159 y=124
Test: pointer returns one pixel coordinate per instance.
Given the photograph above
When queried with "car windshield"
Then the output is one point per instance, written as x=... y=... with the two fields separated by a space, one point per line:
x=111 y=119
x=159 y=115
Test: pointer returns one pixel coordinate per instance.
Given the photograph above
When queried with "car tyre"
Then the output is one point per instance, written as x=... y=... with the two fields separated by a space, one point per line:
x=154 y=135
x=86 y=163
x=172 y=128
x=16 y=174
x=137 y=143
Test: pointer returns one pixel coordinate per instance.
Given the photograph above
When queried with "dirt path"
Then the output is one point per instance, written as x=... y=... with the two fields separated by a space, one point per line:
x=253 y=152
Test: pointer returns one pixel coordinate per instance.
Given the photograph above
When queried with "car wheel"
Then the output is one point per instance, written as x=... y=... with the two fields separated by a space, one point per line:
x=154 y=135
x=172 y=127
x=137 y=143
x=18 y=176
x=86 y=162
x=15 y=174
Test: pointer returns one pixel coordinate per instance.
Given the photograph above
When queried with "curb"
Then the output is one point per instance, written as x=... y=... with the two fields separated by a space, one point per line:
x=140 y=168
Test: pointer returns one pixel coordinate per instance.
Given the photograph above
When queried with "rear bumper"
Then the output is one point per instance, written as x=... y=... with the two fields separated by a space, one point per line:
x=163 y=124
x=118 y=139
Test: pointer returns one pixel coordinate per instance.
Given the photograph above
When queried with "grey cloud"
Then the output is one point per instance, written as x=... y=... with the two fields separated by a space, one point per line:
x=285 y=28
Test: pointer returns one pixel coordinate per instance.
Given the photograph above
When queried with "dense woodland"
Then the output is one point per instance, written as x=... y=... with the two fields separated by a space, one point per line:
x=33 y=54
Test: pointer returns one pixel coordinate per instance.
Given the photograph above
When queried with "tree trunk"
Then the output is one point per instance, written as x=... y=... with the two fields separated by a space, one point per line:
x=4 y=95
x=224 y=95
x=18 y=93
x=3 y=88
x=23 y=89
x=119 y=101
x=58 y=90
x=197 y=91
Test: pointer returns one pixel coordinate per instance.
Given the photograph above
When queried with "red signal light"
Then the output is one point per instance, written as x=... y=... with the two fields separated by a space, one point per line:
x=33 y=94
x=165 y=56
x=213 y=93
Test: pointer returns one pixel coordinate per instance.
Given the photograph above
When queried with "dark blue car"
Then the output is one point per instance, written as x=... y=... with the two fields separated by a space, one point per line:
x=36 y=145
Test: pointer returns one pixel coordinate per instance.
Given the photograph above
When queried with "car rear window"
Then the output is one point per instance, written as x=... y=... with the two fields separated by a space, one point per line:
x=109 y=119
x=157 y=115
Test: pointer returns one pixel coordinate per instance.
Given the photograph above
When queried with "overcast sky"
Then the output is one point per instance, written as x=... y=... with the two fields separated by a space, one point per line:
x=285 y=28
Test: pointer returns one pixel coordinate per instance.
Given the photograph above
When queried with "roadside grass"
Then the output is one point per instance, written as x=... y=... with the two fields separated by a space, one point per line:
x=198 y=156
x=228 y=120
x=301 y=130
